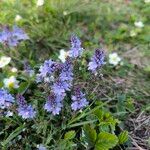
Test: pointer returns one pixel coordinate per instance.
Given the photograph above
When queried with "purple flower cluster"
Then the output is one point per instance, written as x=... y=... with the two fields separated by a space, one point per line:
x=24 y=110
x=6 y=99
x=59 y=77
x=97 y=60
x=76 y=49
x=67 y=70
x=59 y=87
x=12 y=37
x=48 y=68
x=62 y=74
x=79 y=100
x=64 y=81
x=54 y=103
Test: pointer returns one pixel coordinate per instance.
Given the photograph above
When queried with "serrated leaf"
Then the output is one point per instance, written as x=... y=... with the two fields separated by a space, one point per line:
x=99 y=113
x=90 y=135
x=105 y=141
x=70 y=135
x=123 y=137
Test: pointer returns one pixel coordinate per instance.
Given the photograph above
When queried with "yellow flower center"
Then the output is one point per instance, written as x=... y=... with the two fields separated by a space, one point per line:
x=11 y=85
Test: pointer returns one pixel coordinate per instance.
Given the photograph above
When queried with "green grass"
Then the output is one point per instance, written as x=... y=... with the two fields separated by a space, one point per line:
x=106 y=24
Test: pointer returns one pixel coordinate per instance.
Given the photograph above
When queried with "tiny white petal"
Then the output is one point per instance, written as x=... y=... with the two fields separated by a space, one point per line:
x=40 y=2
x=4 y=61
x=114 y=59
x=14 y=69
x=9 y=114
x=17 y=18
x=147 y=1
x=65 y=13
x=139 y=24
x=133 y=33
x=62 y=55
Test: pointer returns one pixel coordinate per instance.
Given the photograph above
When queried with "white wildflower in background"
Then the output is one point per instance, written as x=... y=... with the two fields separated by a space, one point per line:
x=62 y=55
x=17 y=18
x=133 y=33
x=40 y=2
x=4 y=61
x=114 y=59
x=147 y=1
x=9 y=114
x=65 y=13
x=14 y=69
x=139 y=24
x=11 y=82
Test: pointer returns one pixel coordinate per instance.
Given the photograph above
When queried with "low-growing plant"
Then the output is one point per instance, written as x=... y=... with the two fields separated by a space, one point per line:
x=49 y=107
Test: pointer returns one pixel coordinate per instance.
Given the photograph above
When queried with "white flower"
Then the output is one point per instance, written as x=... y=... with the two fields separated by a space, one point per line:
x=65 y=13
x=11 y=82
x=14 y=69
x=114 y=59
x=40 y=2
x=63 y=54
x=4 y=61
x=9 y=114
x=147 y=1
x=17 y=18
x=139 y=24
x=133 y=33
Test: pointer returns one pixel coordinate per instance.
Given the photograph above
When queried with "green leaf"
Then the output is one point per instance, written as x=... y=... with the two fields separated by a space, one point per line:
x=105 y=141
x=90 y=135
x=99 y=113
x=23 y=87
x=123 y=137
x=70 y=135
x=12 y=135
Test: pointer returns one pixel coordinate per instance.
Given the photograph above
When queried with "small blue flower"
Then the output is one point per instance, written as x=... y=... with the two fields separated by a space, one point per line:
x=97 y=60
x=60 y=87
x=48 y=68
x=24 y=110
x=5 y=35
x=54 y=103
x=6 y=99
x=12 y=37
x=19 y=34
x=79 y=100
x=64 y=81
x=76 y=49
x=66 y=73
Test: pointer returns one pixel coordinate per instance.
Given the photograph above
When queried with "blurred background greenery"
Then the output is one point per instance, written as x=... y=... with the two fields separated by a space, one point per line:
x=102 y=22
